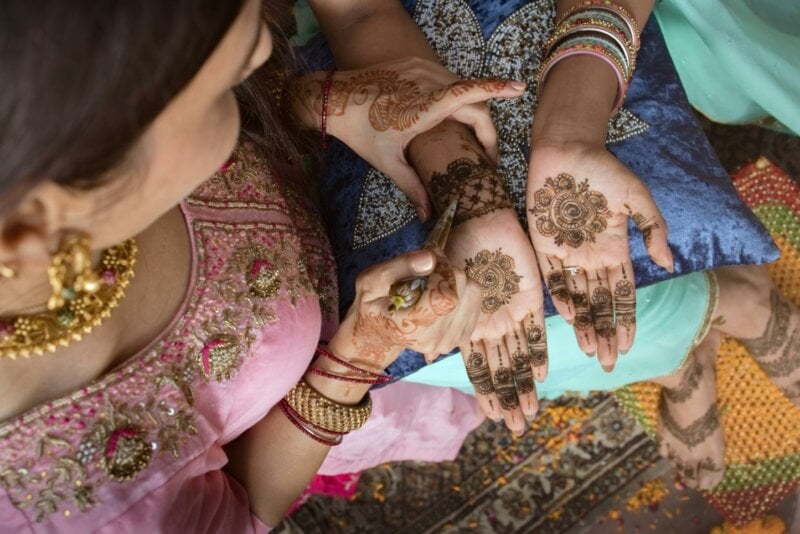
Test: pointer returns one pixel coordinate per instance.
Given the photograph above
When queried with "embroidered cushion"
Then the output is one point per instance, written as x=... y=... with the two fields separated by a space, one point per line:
x=655 y=134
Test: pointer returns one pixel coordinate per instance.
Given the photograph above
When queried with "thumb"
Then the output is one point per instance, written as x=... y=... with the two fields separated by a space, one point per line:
x=409 y=183
x=376 y=281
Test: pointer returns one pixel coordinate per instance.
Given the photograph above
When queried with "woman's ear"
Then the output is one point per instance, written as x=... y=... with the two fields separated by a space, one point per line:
x=30 y=233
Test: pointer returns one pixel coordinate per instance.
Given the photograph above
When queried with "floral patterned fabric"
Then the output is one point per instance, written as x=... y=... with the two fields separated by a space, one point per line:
x=141 y=447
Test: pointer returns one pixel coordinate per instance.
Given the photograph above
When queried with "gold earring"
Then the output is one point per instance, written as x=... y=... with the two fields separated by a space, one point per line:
x=71 y=272
x=7 y=272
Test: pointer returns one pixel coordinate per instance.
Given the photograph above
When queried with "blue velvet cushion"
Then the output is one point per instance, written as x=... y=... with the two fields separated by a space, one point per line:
x=655 y=134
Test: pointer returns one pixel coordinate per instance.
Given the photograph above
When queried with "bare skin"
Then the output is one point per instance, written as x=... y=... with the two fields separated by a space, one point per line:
x=751 y=310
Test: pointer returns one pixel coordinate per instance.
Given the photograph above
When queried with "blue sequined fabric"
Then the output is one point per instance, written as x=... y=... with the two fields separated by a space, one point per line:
x=655 y=134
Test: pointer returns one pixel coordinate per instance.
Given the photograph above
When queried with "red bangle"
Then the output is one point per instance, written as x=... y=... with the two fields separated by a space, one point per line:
x=345 y=378
x=292 y=416
x=369 y=377
x=326 y=93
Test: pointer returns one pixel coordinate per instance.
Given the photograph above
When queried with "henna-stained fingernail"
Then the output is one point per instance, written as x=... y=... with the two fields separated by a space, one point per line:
x=608 y=368
x=590 y=354
x=623 y=352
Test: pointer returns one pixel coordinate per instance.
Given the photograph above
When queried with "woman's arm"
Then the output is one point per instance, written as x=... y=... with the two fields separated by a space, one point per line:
x=577 y=98
x=364 y=32
x=274 y=460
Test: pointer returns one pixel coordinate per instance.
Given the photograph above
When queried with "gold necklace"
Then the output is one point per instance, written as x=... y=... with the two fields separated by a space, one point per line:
x=82 y=299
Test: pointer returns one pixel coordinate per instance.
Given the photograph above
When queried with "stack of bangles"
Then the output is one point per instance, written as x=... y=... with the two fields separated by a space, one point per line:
x=598 y=28
x=322 y=419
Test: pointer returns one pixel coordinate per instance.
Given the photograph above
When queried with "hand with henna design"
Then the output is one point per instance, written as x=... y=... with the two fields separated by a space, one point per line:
x=378 y=110
x=579 y=200
x=508 y=349
x=371 y=336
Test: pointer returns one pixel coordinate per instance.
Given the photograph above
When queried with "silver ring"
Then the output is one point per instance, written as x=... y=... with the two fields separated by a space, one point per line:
x=572 y=270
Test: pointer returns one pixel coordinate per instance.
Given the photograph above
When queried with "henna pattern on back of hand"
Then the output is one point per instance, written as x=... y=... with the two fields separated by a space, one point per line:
x=396 y=103
x=478 y=187
x=569 y=211
x=494 y=272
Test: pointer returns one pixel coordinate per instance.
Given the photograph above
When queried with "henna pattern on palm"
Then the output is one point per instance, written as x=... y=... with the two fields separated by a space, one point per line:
x=375 y=334
x=625 y=302
x=603 y=313
x=537 y=345
x=494 y=272
x=696 y=432
x=478 y=187
x=688 y=384
x=569 y=211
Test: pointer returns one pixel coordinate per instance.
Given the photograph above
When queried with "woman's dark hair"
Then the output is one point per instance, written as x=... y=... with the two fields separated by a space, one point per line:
x=81 y=80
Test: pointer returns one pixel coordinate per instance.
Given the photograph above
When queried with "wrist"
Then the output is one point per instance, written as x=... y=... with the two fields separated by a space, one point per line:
x=342 y=391
x=576 y=103
x=307 y=100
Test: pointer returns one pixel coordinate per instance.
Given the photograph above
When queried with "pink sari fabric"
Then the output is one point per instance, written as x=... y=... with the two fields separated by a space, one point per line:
x=140 y=449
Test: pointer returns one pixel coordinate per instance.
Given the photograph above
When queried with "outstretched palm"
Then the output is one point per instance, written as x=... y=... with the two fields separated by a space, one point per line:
x=579 y=200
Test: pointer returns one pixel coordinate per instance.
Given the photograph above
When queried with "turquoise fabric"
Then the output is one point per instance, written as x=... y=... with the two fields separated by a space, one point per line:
x=738 y=60
x=670 y=316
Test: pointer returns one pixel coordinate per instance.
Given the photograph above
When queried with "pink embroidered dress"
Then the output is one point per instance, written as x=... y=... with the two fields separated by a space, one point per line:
x=140 y=449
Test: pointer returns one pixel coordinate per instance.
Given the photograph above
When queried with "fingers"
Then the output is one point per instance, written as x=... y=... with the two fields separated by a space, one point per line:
x=556 y=283
x=375 y=282
x=623 y=286
x=410 y=184
x=523 y=373
x=654 y=230
x=479 y=118
x=500 y=363
x=464 y=92
x=602 y=306
x=582 y=322
x=480 y=376
x=536 y=341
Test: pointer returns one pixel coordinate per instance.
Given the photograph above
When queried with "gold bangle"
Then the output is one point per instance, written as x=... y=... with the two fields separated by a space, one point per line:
x=319 y=410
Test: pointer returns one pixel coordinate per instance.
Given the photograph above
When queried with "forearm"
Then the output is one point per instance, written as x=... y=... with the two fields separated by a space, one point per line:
x=275 y=461
x=365 y=32
x=578 y=95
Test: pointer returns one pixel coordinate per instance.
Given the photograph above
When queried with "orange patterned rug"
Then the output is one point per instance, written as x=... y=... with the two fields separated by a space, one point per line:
x=762 y=427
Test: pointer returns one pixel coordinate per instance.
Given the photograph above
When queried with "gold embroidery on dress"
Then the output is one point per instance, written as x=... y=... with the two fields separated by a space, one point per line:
x=232 y=299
